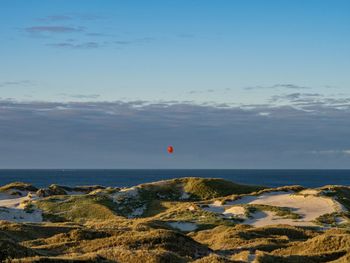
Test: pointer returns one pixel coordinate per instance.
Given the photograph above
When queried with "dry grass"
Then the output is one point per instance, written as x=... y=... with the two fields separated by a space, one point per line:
x=76 y=208
x=243 y=237
x=208 y=188
x=18 y=186
x=283 y=212
x=93 y=228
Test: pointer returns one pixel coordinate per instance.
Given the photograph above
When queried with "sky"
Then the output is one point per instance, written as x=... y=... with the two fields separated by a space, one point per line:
x=230 y=84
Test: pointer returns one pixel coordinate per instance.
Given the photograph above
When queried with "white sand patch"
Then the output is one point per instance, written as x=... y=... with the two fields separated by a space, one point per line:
x=308 y=206
x=237 y=211
x=130 y=192
x=12 y=208
x=184 y=196
x=10 y=201
x=248 y=199
x=120 y=196
x=214 y=208
x=191 y=208
x=218 y=203
x=225 y=209
x=20 y=215
x=251 y=257
x=265 y=218
x=160 y=196
x=184 y=226
x=137 y=212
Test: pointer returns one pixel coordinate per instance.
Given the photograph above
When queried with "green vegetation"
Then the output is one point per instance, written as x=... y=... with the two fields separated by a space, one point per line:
x=151 y=195
x=112 y=245
x=333 y=218
x=76 y=208
x=196 y=188
x=249 y=238
x=327 y=219
x=288 y=188
x=332 y=245
x=343 y=196
x=189 y=212
x=284 y=212
x=208 y=188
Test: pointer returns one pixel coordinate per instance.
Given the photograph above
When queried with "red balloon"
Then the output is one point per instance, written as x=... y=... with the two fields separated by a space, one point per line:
x=170 y=149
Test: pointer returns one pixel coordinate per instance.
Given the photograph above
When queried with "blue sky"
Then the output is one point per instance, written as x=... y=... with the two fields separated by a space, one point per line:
x=278 y=60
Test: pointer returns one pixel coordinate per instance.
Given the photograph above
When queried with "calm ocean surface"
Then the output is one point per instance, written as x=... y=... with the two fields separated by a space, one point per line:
x=273 y=178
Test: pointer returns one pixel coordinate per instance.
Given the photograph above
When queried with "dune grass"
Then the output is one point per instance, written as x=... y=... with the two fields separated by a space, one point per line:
x=96 y=227
x=76 y=208
x=283 y=212
x=190 y=212
x=18 y=186
x=208 y=188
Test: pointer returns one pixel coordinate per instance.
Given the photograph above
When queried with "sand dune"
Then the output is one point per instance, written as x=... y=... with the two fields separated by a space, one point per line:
x=307 y=204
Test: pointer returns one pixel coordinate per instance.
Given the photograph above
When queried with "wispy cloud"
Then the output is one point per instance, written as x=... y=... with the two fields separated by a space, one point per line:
x=80 y=96
x=201 y=91
x=16 y=83
x=134 y=41
x=295 y=96
x=55 y=18
x=53 y=29
x=96 y=34
x=278 y=86
x=84 y=45
x=311 y=101
x=65 y=17
x=331 y=152
x=186 y=35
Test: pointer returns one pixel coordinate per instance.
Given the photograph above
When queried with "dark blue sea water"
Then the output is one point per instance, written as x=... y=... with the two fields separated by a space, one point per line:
x=273 y=178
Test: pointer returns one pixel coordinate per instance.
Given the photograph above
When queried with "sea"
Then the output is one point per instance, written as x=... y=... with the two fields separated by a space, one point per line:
x=131 y=177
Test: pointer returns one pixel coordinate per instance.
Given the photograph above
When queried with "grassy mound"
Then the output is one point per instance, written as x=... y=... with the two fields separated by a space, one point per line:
x=18 y=186
x=330 y=246
x=55 y=189
x=223 y=238
x=330 y=241
x=316 y=258
x=23 y=232
x=76 y=208
x=150 y=196
x=196 y=188
x=207 y=188
x=150 y=245
x=173 y=241
x=10 y=249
